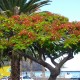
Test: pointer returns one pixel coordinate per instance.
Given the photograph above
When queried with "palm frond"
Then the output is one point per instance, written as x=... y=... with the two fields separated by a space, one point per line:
x=2 y=5
x=25 y=6
x=32 y=5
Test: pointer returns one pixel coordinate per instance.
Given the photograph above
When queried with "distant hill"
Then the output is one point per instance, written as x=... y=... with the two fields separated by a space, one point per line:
x=26 y=66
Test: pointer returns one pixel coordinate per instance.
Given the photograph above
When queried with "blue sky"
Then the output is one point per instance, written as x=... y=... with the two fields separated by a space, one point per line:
x=67 y=8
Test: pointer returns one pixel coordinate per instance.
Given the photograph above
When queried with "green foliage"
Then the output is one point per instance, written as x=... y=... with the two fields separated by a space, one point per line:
x=10 y=35
x=51 y=31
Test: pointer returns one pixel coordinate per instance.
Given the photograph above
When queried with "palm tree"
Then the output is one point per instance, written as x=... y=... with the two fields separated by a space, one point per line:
x=12 y=7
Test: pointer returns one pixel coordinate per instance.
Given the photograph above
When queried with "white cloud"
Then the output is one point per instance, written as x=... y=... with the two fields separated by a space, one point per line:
x=73 y=64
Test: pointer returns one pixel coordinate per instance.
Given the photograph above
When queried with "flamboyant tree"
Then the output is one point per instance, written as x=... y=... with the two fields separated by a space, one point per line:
x=44 y=35
x=56 y=37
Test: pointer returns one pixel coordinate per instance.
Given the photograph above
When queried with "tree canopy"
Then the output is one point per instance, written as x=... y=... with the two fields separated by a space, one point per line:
x=40 y=35
x=16 y=30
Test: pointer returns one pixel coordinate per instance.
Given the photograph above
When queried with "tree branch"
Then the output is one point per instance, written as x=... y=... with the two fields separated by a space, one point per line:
x=62 y=61
x=39 y=61
x=70 y=56
x=52 y=60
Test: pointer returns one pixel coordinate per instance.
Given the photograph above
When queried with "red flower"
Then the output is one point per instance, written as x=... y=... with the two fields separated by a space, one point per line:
x=37 y=18
x=31 y=35
x=16 y=17
x=76 y=32
x=23 y=32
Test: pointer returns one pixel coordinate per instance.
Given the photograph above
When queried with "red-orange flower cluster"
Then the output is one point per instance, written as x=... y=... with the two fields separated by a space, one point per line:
x=31 y=35
x=37 y=18
x=16 y=17
x=26 y=22
x=23 y=32
x=77 y=25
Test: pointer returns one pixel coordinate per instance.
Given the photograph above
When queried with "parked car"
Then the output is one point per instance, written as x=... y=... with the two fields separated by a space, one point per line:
x=25 y=78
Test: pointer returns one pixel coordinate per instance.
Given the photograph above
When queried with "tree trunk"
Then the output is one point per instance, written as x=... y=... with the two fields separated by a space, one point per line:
x=54 y=72
x=52 y=77
x=15 y=67
x=43 y=73
x=31 y=70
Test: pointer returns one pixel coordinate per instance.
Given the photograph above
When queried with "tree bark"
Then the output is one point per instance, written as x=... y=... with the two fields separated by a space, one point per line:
x=54 y=72
x=15 y=67
x=52 y=77
x=43 y=73
x=31 y=69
